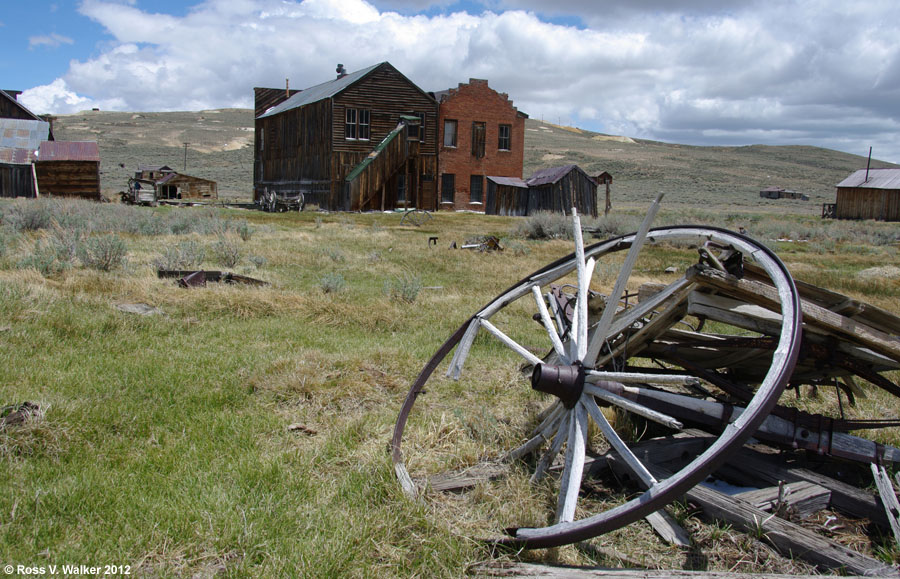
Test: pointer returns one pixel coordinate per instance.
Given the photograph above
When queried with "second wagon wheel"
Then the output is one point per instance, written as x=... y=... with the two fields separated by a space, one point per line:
x=595 y=342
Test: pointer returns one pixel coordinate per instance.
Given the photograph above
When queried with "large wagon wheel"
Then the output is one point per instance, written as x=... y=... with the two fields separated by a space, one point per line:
x=586 y=351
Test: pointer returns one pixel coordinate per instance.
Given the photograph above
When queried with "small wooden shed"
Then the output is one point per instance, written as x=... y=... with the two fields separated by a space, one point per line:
x=16 y=173
x=180 y=186
x=559 y=189
x=506 y=196
x=69 y=169
x=869 y=194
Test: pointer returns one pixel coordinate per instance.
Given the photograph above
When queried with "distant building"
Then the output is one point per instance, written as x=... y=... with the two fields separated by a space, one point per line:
x=175 y=185
x=362 y=141
x=481 y=134
x=68 y=169
x=21 y=133
x=782 y=193
x=556 y=189
x=869 y=194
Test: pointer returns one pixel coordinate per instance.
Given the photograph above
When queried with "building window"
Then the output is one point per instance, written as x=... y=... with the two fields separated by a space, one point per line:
x=416 y=132
x=350 y=125
x=448 y=187
x=356 y=125
x=504 y=141
x=478 y=131
x=401 y=188
x=363 y=124
x=476 y=188
x=262 y=139
x=449 y=133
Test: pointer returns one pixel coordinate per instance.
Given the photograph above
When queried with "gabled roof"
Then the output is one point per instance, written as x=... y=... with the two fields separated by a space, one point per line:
x=22 y=134
x=4 y=94
x=551 y=175
x=322 y=91
x=878 y=179
x=69 y=151
x=330 y=89
x=143 y=168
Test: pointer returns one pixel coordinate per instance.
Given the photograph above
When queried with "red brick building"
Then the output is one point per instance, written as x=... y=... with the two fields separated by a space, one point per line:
x=481 y=134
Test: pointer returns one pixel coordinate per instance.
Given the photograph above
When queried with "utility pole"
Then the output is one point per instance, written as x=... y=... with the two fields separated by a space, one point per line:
x=185 y=156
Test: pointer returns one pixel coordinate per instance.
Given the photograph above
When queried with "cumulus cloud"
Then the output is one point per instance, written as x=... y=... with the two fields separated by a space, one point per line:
x=51 y=40
x=693 y=71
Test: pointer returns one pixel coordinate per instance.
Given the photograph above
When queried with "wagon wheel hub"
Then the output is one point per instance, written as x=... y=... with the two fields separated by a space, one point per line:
x=565 y=382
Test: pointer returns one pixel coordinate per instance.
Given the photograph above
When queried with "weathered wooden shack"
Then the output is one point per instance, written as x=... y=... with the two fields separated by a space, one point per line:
x=17 y=173
x=506 y=196
x=69 y=169
x=311 y=142
x=558 y=189
x=869 y=194
x=180 y=186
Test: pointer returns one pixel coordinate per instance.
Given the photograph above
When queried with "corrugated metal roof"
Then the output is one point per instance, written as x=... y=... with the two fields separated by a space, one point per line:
x=22 y=134
x=69 y=151
x=320 y=91
x=551 y=175
x=878 y=179
x=509 y=181
x=16 y=156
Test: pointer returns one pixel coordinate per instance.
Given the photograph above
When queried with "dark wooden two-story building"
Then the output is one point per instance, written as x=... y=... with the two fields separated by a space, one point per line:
x=362 y=141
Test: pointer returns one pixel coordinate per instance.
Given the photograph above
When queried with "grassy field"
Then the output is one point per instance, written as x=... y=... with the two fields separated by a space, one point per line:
x=220 y=147
x=244 y=430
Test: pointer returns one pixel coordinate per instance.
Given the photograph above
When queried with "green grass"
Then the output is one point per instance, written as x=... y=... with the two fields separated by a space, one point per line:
x=164 y=442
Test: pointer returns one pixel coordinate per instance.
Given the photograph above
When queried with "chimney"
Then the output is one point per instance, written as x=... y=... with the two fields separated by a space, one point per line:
x=341 y=71
x=287 y=88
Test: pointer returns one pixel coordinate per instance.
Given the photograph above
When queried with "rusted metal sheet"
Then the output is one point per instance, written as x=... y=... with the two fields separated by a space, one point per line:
x=69 y=151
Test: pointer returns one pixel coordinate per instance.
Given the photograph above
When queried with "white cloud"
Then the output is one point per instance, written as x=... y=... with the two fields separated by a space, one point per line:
x=693 y=71
x=51 y=40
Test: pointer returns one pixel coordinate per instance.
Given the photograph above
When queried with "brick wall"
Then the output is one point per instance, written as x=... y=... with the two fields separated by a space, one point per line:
x=477 y=102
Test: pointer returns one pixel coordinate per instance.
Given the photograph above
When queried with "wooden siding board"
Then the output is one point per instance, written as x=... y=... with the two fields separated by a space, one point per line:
x=16 y=180
x=865 y=203
x=305 y=149
x=69 y=178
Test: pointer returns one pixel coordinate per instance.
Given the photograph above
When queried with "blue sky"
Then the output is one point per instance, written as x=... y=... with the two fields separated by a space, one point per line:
x=705 y=72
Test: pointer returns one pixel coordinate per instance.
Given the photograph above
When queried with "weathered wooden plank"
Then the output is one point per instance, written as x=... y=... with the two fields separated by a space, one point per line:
x=888 y=498
x=521 y=569
x=802 y=498
x=766 y=295
x=789 y=538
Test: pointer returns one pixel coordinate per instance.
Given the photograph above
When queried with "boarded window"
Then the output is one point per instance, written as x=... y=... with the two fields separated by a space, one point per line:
x=504 y=139
x=478 y=131
x=448 y=187
x=476 y=188
x=350 y=124
x=449 y=133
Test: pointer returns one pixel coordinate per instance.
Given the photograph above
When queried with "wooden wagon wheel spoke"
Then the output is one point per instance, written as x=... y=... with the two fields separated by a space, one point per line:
x=586 y=370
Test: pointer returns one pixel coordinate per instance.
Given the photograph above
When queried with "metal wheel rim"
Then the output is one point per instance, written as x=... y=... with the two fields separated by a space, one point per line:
x=667 y=490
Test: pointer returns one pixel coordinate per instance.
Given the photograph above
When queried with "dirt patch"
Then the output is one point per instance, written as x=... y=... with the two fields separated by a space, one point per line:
x=881 y=272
